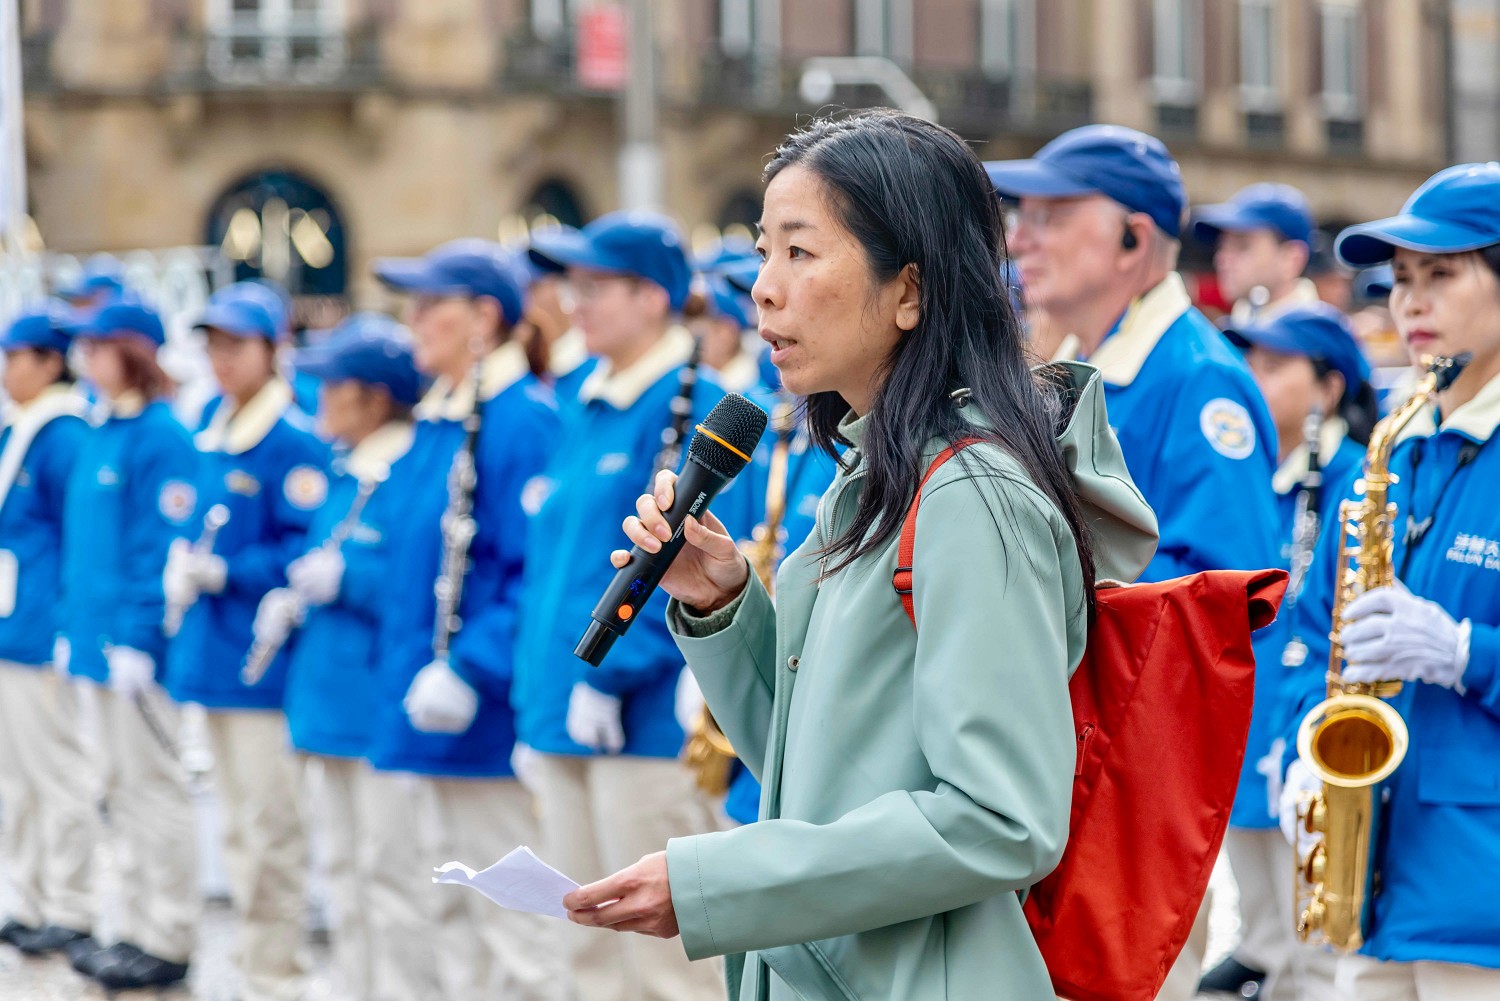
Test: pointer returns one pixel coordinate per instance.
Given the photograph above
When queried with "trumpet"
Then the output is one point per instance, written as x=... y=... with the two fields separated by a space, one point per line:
x=1353 y=740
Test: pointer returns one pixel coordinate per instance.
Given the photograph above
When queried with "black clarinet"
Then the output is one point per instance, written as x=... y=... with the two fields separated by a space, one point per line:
x=458 y=528
x=678 y=428
x=1306 y=526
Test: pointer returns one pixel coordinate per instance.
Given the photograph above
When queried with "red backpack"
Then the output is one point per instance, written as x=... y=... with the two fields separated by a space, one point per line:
x=1161 y=710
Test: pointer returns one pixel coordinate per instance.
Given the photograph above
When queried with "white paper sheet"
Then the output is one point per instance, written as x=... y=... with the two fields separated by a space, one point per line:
x=520 y=881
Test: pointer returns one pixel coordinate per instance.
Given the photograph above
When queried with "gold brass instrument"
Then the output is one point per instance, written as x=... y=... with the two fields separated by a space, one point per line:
x=708 y=752
x=1353 y=741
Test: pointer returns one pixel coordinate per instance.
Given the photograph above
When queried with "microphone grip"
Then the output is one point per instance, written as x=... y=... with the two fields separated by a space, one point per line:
x=636 y=581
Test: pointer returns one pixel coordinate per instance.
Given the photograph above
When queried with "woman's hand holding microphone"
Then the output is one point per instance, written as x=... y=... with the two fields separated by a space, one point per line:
x=709 y=573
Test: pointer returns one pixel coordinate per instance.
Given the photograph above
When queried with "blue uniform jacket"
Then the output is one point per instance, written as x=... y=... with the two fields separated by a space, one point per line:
x=1275 y=683
x=603 y=464
x=519 y=428
x=269 y=469
x=1196 y=435
x=1440 y=853
x=31 y=523
x=130 y=494
x=809 y=472
x=332 y=679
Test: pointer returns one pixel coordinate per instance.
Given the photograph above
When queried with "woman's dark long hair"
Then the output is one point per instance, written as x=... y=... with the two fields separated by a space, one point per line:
x=912 y=193
x=1360 y=408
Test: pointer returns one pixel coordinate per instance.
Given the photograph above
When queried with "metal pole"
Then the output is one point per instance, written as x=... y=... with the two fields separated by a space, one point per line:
x=640 y=154
x=13 y=167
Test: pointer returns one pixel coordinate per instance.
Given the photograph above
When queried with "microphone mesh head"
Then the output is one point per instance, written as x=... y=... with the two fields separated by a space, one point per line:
x=739 y=423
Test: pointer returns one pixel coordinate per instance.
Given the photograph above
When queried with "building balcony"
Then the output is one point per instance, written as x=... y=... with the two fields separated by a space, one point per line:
x=36 y=64
x=309 y=63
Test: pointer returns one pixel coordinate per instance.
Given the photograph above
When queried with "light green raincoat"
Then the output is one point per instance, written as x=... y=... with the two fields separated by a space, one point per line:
x=913 y=780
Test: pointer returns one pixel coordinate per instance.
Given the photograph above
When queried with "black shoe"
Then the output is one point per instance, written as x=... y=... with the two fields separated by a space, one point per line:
x=1232 y=977
x=141 y=970
x=12 y=928
x=81 y=948
x=88 y=961
x=49 y=939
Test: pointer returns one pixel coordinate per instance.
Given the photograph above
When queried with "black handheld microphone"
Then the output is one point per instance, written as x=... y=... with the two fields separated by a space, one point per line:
x=719 y=450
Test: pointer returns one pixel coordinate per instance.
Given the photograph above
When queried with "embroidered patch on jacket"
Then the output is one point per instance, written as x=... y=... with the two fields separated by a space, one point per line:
x=305 y=487
x=237 y=481
x=535 y=493
x=611 y=463
x=1228 y=428
x=177 y=500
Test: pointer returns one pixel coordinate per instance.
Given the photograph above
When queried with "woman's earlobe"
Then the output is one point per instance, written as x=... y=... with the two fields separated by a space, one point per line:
x=909 y=308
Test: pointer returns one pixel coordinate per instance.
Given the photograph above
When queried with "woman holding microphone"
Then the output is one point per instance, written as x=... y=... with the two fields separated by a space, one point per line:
x=914 y=780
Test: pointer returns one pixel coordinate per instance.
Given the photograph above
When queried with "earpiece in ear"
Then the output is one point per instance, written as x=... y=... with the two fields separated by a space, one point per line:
x=1129 y=241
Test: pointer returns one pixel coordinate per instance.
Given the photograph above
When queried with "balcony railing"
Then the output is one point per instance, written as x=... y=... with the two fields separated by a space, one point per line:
x=310 y=61
x=36 y=64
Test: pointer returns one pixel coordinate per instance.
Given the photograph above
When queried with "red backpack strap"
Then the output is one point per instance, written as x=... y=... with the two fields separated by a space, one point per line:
x=901 y=579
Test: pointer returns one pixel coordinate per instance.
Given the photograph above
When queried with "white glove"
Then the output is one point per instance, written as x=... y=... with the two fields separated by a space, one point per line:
x=278 y=613
x=176 y=580
x=317 y=576
x=439 y=701
x=209 y=573
x=62 y=653
x=594 y=720
x=523 y=761
x=130 y=671
x=1300 y=781
x=689 y=703
x=1393 y=635
x=1270 y=767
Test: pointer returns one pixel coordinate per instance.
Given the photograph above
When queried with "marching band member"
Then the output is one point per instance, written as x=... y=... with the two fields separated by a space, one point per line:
x=1095 y=237
x=130 y=494
x=1316 y=385
x=367 y=385
x=605 y=769
x=50 y=824
x=888 y=853
x=261 y=461
x=1434 y=931
x=1262 y=239
x=442 y=709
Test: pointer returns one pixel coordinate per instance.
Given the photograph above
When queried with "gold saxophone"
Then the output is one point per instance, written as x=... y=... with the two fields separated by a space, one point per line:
x=708 y=752
x=1352 y=741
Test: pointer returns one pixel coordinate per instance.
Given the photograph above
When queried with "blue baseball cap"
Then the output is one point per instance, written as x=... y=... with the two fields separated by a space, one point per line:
x=40 y=327
x=725 y=250
x=121 y=318
x=469 y=267
x=1376 y=282
x=244 y=309
x=1111 y=160
x=370 y=348
x=643 y=244
x=742 y=274
x=1316 y=331
x=1455 y=210
x=1280 y=208
x=729 y=302
x=101 y=273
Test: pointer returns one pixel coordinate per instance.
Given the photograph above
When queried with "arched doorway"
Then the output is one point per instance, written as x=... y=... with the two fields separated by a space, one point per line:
x=280 y=225
x=555 y=198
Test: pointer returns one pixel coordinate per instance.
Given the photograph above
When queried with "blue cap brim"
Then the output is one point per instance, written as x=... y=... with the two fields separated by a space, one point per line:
x=318 y=362
x=411 y=274
x=1034 y=179
x=1270 y=338
x=224 y=317
x=1211 y=220
x=1376 y=242
x=558 y=249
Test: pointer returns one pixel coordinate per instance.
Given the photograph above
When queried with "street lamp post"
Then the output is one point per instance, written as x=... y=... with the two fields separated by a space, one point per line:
x=822 y=74
x=12 y=135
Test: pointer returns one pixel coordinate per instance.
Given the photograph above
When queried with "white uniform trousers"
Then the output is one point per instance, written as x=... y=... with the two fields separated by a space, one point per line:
x=485 y=951
x=151 y=815
x=399 y=892
x=1262 y=863
x=46 y=799
x=259 y=783
x=1361 y=978
x=600 y=815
